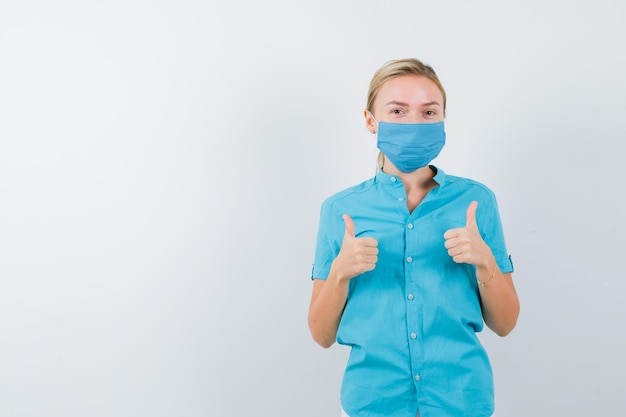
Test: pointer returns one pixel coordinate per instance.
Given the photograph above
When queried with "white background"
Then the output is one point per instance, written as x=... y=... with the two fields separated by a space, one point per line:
x=162 y=165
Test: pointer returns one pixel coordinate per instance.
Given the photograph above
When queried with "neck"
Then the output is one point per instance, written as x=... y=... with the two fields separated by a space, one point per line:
x=420 y=178
x=416 y=184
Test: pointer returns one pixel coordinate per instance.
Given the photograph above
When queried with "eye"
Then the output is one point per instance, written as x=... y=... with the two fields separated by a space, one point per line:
x=430 y=113
x=397 y=111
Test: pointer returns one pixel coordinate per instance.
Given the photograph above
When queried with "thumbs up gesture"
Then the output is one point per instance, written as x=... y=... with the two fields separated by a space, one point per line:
x=464 y=244
x=357 y=254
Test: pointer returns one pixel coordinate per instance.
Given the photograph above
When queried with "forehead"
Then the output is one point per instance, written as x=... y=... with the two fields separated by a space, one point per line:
x=410 y=89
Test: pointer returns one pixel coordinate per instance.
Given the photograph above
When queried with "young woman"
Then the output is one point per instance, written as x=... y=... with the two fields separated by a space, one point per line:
x=410 y=264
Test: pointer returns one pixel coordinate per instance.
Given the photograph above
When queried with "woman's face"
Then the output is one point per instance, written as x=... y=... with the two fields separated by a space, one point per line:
x=407 y=99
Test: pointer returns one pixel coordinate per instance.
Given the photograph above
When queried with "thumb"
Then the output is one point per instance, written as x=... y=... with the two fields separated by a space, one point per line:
x=349 y=226
x=471 y=214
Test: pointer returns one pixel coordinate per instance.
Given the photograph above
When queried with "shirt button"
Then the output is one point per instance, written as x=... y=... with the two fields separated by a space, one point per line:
x=409 y=259
x=400 y=198
x=394 y=179
x=417 y=377
x=410 y=296
x=410 y=226
x=413 y=335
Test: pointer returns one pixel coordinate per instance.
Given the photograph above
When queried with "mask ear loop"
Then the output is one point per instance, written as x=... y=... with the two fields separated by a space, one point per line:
x=372 y=115
x=381 y=156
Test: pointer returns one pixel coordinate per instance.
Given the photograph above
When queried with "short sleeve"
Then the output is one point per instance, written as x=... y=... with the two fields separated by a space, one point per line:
x=490 y=226
x=329 y=238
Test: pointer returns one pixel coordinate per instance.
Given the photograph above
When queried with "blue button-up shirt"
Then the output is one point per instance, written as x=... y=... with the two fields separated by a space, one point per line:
x=411 y=323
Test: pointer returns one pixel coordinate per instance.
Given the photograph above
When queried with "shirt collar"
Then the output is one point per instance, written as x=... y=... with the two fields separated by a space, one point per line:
x=384 y=178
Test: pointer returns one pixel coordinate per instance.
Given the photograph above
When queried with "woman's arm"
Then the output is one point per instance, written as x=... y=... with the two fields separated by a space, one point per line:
x=327 y=303
x=498 y=297
x=357 y=255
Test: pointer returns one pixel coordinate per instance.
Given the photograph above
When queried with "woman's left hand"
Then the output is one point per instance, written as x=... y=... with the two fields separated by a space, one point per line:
x=465 y=244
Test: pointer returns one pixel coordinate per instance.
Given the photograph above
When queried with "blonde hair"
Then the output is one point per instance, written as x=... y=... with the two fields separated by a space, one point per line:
x=395 y=68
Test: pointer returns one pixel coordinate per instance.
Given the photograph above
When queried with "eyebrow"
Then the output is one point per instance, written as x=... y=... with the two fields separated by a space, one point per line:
x=400 y=103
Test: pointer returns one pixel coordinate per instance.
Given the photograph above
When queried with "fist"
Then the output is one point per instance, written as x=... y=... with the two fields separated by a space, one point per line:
x=357 y=254
x=465 y=244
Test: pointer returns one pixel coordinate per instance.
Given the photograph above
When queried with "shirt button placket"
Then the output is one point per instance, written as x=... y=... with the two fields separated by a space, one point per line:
x=410 y=296
x=410 y=227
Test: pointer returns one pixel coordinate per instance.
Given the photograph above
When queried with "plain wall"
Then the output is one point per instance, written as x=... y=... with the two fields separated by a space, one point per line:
x=162 y=165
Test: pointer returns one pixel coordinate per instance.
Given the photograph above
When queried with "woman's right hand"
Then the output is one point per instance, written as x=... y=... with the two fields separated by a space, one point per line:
x=357 y=254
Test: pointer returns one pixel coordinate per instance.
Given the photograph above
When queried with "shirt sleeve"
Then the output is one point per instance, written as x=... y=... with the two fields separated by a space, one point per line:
x=490 y=226
x=329 y=237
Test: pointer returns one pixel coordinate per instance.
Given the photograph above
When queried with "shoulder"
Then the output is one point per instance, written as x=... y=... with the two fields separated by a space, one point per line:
x=347 y=195
x=455 y=182
x=470 y=183
x=341 y=202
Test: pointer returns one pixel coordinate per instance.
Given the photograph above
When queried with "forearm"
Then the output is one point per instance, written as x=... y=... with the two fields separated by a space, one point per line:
x=498 y=298
x=326 y=309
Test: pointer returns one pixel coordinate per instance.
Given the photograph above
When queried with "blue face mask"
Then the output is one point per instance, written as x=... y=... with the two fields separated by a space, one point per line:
x=410 y=146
